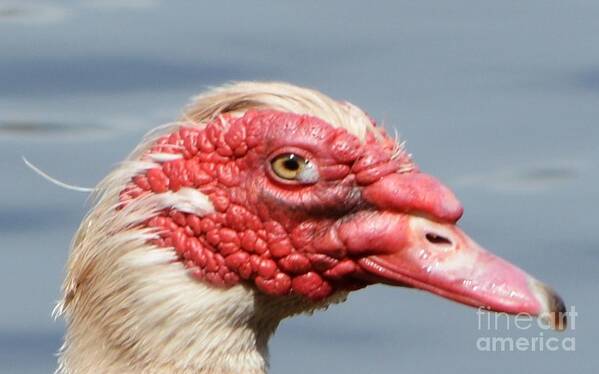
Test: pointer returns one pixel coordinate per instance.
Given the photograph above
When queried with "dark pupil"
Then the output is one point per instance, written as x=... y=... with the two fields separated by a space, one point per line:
x=291 y=164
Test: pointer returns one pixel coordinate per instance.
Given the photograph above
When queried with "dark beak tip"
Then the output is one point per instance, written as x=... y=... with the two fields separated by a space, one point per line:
x=559 y=312
x=556 y=314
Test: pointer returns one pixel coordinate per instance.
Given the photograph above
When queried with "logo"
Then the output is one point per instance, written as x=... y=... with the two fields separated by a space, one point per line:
x=501 y=332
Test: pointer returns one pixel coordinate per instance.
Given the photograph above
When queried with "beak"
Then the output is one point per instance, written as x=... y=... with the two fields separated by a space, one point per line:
x=408 y=244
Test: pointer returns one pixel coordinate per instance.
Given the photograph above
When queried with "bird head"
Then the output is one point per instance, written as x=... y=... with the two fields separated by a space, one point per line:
x=288 y=192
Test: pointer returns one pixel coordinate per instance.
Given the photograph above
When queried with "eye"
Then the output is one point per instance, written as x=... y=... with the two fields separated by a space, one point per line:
x=288 y=166
x=292 y=167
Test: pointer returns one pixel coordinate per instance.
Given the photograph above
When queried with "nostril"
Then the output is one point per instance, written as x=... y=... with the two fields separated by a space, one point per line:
x=437 y=239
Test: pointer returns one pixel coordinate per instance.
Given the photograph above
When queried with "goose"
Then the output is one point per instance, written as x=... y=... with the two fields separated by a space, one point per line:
x=264 y=200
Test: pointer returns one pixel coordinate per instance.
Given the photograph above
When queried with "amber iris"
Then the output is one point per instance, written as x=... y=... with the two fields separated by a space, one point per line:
x=288 y=166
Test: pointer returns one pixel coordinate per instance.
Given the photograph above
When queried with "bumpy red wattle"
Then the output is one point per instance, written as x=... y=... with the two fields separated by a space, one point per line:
x=274 y=236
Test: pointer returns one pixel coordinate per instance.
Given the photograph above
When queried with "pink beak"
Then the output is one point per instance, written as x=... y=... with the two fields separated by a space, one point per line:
x=412 y=240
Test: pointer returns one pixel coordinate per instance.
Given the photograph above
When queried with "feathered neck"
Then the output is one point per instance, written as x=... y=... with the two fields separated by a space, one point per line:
x=148 y=315
x=132 y=307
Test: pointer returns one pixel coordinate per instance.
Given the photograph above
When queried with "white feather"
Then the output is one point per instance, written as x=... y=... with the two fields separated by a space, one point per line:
x=164 y=157
x=188 y=200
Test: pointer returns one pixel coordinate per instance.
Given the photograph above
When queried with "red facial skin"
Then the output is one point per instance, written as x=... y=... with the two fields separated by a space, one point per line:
x=352 y=227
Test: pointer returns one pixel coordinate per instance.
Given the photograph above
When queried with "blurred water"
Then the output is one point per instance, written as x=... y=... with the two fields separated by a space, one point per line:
x=498 y=99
